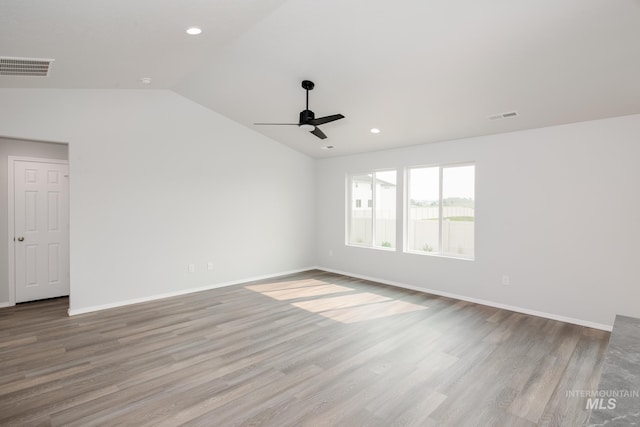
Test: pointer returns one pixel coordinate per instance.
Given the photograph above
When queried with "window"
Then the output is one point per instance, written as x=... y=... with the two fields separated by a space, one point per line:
x=439 y=215
x=441 y=210
x=374 y=225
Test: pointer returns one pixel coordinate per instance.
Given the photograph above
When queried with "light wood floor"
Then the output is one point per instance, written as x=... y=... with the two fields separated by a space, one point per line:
x=313 y=349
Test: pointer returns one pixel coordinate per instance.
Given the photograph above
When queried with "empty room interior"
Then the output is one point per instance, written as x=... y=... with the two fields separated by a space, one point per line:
x=319 y=213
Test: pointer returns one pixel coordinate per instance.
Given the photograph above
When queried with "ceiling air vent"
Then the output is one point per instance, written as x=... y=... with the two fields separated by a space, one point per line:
x=504 y=115
x=28 y=67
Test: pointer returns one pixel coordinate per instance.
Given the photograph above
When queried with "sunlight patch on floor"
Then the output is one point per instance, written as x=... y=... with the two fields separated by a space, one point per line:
x=343 y=301
x=311 y=291
x=371 y=311
x=349 y=308
x=287 y=284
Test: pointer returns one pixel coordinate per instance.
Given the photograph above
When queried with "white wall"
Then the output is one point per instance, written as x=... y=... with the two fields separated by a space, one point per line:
x=577 y=261
x=13 y=147
x=158 y=182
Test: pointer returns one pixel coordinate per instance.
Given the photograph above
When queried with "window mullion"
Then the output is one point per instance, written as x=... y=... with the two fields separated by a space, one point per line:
x=406 y=210
x=350 y=213
x=373 y=209
x=440 y=211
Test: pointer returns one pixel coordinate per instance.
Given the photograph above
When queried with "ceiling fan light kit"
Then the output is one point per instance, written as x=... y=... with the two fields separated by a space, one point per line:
x=307 y=120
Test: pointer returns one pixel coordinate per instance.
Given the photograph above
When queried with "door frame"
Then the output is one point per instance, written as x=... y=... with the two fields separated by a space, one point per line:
x=11 y=215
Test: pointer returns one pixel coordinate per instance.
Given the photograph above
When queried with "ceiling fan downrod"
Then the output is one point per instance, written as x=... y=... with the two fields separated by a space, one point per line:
x=307 y=85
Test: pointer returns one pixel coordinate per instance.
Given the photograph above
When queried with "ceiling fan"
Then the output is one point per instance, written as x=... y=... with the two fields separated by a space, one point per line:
x=307 y=117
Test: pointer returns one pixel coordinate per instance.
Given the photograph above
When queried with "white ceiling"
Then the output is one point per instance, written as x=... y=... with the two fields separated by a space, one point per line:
x=420 y=70
x=112 y=44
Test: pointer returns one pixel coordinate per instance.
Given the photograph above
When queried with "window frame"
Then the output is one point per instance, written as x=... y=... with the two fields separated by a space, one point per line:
x=349 y=210
x=406 y=210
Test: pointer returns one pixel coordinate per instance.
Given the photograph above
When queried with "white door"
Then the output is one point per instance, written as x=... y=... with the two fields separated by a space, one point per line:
x=41 y=230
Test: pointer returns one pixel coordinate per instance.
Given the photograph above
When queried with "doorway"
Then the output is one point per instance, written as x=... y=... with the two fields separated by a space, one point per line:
x=25 y=150
x=39 y=207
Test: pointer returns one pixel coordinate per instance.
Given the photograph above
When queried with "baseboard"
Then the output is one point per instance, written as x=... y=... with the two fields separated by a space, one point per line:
x=6 y=304
x=550 y=316
x=74 y=312
x=580 y=322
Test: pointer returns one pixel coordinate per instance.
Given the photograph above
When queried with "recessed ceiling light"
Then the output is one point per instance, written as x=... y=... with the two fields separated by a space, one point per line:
x=374 y=130
x=193 y=31
x=145 y=80
x=328 y=147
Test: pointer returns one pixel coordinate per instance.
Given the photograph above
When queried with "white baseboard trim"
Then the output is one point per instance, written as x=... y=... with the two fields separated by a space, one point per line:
x=74 y=312
x=6 y=304
x=551 y=316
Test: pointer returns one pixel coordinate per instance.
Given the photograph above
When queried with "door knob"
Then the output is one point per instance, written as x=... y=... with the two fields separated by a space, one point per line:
x=20 y=239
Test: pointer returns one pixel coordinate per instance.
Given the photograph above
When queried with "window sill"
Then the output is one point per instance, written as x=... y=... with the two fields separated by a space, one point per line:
x=379 y=248
x=438 y=255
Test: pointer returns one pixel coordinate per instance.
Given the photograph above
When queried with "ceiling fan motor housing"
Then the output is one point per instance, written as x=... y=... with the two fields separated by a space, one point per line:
x=308 y=119
x=306 y=116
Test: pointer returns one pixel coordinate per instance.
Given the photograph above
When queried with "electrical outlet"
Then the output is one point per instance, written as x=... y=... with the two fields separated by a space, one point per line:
x=210 y=266
x=330 y=252
x=192 y=268
x=505 y=280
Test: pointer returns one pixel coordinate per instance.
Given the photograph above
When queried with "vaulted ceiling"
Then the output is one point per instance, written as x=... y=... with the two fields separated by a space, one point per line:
x=419 y=70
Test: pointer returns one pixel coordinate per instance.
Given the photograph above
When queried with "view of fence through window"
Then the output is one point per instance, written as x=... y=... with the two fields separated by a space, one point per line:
x=372 y=216
x=440 y=210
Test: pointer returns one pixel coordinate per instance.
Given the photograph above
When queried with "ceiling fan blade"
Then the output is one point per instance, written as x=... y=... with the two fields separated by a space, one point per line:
x=317 y=132
x=276 y=124
x=326 y=119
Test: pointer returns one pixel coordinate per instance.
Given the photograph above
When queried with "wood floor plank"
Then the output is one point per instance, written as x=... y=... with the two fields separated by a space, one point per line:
x=312 y=348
